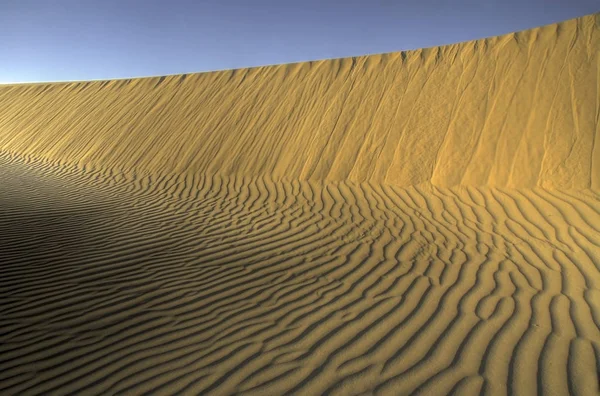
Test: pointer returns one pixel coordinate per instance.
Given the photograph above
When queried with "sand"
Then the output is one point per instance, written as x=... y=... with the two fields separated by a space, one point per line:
x=423 y=222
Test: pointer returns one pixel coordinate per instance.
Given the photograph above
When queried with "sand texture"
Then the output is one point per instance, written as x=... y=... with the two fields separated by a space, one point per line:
x=423 y=222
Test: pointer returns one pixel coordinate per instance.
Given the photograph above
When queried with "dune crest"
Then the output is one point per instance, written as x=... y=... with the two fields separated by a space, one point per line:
x=519 y=110
x=424 y=222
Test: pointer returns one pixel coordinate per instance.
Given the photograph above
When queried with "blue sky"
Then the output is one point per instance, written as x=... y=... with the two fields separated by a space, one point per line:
x=58 y=40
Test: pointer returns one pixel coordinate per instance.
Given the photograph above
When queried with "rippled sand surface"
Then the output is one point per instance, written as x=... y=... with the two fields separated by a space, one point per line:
x=424 y=222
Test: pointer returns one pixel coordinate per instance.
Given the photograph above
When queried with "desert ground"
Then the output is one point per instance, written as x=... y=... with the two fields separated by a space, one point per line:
x=421 y=222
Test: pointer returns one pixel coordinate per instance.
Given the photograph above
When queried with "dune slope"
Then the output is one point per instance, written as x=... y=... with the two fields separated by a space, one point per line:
x=519 y=110
x=425 y=222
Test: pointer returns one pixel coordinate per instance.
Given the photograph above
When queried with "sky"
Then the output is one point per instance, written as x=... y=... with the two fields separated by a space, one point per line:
x=71 y=40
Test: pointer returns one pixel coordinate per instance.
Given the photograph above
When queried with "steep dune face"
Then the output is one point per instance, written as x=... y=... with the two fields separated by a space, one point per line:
x=425 y=222
x=519 y=110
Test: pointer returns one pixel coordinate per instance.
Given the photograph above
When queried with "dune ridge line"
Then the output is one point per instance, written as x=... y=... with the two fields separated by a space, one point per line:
x=518 y=110
x=424 y=222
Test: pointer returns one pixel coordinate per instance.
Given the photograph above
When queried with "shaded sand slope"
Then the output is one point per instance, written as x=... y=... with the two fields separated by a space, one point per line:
x=518 y=110
x=424 y=222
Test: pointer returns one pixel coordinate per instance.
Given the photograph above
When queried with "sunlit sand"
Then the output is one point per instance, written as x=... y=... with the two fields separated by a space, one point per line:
x=417 y=222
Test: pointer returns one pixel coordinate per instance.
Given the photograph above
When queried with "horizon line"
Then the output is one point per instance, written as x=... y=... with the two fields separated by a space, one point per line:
x=597 y=13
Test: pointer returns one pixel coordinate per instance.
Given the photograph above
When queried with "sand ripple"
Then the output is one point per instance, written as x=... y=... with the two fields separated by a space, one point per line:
x=422 y=222
x=213 y=285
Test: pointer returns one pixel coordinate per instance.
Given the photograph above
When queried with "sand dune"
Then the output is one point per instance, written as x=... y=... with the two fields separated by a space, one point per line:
x=519 y=110
x=422 y=222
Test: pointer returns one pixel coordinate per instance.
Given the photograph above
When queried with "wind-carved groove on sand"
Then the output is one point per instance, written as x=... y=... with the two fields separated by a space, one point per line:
x=224 y=285
x=421 y=222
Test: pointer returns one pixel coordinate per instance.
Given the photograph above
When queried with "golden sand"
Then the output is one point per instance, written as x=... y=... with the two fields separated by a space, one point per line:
x=419 y=222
